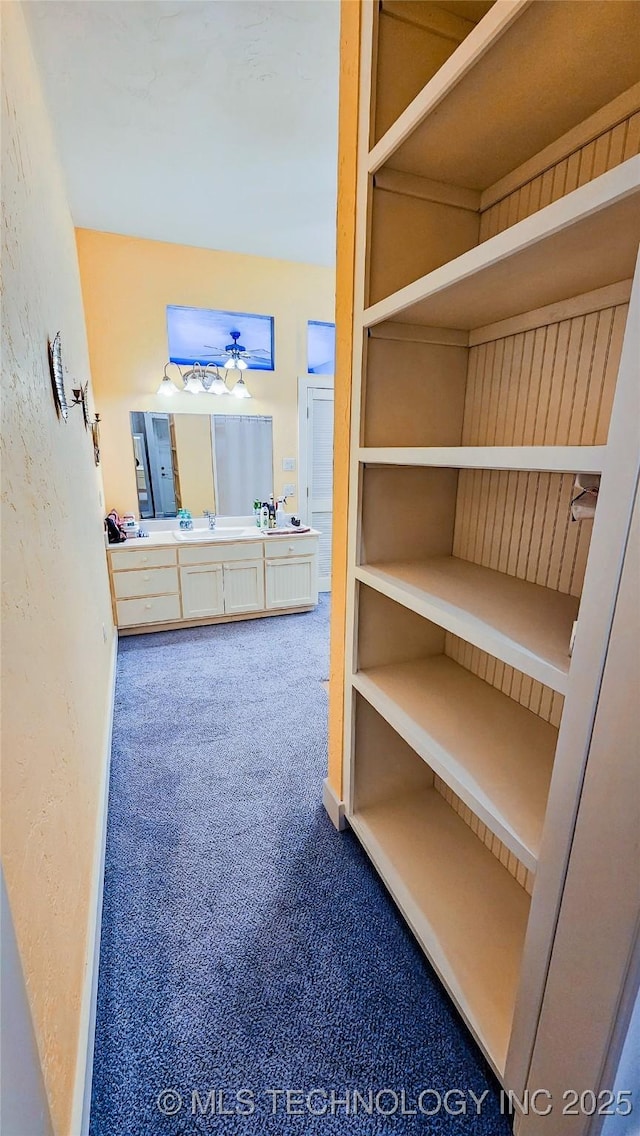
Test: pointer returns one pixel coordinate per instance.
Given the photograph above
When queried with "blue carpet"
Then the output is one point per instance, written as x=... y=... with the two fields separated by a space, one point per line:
x=246 y=945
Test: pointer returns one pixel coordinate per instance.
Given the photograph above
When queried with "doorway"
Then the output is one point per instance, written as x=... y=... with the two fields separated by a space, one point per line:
x=315 y=428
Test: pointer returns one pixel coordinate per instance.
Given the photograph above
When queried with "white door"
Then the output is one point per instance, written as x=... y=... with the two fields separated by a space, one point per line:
x=161 y=460
x=316 y=467
x=201 y=591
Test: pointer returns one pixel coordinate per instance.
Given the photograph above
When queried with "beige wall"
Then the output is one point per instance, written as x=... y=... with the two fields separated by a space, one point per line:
x=127 y=284
x=55 y=661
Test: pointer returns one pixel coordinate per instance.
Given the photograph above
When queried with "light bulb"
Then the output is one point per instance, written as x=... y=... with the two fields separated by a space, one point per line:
x=193 y=380
x=240 y=390
x=166 y=388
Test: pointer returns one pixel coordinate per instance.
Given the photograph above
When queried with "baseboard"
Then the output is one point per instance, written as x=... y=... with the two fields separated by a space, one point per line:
x=86 y=1034
x=333 y=806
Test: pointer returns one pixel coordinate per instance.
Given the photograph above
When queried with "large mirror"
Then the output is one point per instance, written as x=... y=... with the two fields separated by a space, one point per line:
x=218 y=463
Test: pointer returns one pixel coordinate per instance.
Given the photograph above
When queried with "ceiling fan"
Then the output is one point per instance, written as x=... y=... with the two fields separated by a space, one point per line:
x=237 y=356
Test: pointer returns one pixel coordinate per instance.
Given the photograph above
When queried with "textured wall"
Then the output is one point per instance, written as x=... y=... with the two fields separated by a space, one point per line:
x=127 y=284
x=56 y=663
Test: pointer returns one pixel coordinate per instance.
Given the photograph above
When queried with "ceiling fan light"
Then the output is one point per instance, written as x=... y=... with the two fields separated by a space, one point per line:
x=240 y=390
x=241 y=365
x=230 y=364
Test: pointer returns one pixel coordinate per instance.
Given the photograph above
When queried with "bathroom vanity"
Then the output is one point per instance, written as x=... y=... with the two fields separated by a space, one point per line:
x=174 y=579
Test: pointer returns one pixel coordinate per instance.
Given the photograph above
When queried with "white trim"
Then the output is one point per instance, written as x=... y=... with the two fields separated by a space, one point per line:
x=81 y=1107
x=334 y=808
x=557 y=459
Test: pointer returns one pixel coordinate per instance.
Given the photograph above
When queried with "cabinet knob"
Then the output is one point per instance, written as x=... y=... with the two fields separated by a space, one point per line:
x=144 y=559
x=146 y=576
x=291 y=548
x=147 y=607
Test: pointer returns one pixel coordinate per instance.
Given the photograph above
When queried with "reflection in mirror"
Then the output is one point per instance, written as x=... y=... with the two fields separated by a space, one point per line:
x=201 y=462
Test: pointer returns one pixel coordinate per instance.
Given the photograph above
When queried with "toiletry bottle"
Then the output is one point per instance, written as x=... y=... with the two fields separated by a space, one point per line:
x=264 y=517
x=257 y=509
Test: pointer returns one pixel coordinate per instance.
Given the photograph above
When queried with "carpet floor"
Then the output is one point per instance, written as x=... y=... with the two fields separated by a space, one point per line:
x=247 y=947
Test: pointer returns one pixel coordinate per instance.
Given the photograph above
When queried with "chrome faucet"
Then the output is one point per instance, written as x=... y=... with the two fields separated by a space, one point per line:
x=211 y=518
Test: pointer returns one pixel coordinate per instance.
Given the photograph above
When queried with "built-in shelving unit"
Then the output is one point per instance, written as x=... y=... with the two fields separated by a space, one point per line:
x=497 y=756
x=523 y=624
x=497 y=241
x=581 y=242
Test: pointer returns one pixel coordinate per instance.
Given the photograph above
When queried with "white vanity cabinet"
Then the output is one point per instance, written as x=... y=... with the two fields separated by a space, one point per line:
x=291 y=572
x=290 y=583
x=202 y=590
x=210 y=581
x=243 y=586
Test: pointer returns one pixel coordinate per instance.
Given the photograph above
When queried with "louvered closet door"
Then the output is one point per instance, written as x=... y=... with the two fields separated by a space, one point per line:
x=320 y=475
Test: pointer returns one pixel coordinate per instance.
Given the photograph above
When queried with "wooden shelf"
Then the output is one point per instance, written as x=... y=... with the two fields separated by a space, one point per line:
x=496 y=756
x=465 y=909
x=524 y=64
x=555 y=459
x=582 y=242
x=523 y=624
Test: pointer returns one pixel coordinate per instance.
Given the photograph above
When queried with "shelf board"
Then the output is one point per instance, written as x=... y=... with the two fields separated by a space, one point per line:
x=523 y=624
x=497 y=756
x=554 y=459
x=476 y=120
x=465 y=909
x=584 y=241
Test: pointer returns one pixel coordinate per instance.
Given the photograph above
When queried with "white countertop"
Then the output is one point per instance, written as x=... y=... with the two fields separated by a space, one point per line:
x=166 y=538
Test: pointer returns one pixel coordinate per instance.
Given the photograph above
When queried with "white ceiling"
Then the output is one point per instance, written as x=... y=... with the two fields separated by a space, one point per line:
x=201 y=122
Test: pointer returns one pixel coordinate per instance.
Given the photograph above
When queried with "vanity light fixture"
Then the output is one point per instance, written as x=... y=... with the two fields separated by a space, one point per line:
x=240 y=389
x=204 y=380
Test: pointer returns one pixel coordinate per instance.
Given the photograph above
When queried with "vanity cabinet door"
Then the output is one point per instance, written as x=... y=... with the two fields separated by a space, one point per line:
x=202 y=591
x=243 y=586
x=291 y=583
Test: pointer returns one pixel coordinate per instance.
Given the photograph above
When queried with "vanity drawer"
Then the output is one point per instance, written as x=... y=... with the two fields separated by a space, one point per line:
x=290 y=546
x=154 y=582
x=143 y=558
x=156 y=609
x=221 y=553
